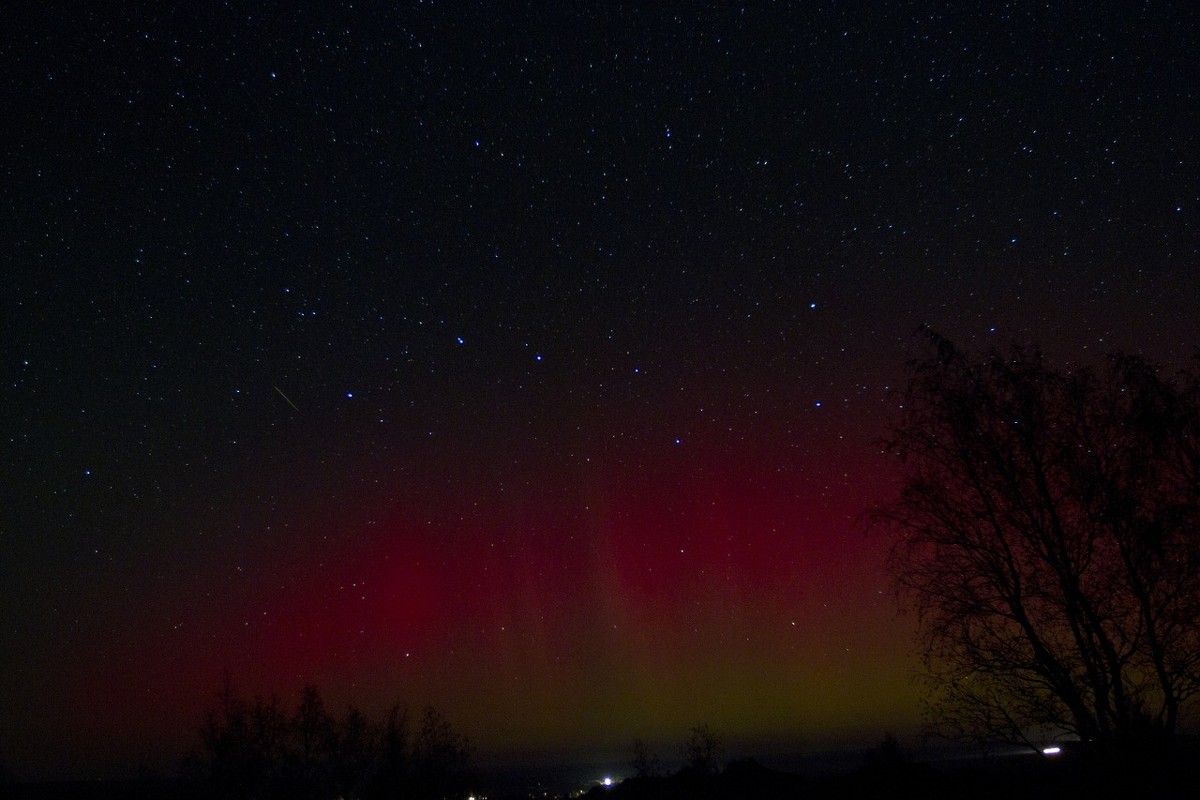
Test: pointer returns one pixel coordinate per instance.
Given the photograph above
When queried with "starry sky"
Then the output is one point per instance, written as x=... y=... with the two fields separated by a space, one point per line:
x=530 y=359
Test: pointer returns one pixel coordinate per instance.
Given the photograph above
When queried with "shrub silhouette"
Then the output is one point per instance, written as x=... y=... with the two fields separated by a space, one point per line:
x=704 y=751
x=645 y=764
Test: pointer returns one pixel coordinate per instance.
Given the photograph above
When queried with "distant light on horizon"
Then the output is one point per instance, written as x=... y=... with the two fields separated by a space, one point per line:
x=1053 y=750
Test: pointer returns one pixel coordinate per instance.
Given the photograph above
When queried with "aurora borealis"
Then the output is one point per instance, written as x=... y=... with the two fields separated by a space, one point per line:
x=530 y=361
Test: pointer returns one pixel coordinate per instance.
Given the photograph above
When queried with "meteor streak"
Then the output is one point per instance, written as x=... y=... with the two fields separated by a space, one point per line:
x=287 y=399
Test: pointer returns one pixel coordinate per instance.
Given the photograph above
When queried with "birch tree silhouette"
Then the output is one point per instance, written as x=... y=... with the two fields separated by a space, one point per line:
x=1046 y=534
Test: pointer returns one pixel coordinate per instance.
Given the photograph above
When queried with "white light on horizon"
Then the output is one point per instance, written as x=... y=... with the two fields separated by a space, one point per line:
x=1053 y=750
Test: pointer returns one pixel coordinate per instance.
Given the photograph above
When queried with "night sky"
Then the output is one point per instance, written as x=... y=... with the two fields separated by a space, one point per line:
x=530 y=359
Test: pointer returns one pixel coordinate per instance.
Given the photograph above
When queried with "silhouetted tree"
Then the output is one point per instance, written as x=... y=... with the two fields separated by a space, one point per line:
x=391 y=768
x=1046 y=534
x=246 y=742
x=645 y=763
x=704 y=751
x=885 y=756
x=440 y=757
x=310 y=759
x=355 y=749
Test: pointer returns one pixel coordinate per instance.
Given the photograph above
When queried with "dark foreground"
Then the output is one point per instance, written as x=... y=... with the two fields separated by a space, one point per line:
x=1034 y=779
x=1069 y=777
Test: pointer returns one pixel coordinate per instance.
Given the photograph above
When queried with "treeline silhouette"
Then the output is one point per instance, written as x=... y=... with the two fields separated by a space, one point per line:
x=258 y=749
